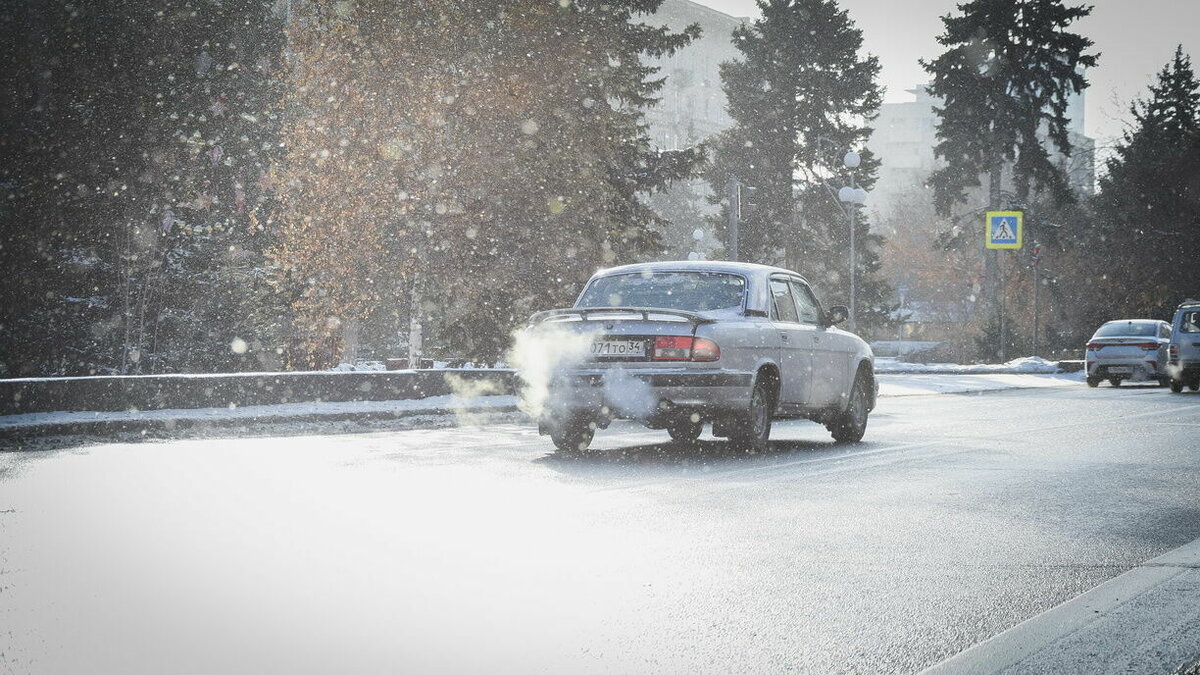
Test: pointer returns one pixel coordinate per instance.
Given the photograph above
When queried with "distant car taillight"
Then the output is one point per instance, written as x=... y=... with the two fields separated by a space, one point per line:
x=677 y=348
x=1173 y=352
x=1149 y=346
x=1095 y=345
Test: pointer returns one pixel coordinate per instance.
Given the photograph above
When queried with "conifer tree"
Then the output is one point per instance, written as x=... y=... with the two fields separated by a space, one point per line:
x=801 y=96
x=138 y=136
x=1005 y=78
x=1145 y=249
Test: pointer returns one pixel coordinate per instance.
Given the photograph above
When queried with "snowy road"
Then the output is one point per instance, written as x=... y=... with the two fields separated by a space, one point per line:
x=476 y=550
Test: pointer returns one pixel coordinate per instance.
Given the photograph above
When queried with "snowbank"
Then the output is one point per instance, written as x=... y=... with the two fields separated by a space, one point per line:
x=1028 y=364
x=947 y=382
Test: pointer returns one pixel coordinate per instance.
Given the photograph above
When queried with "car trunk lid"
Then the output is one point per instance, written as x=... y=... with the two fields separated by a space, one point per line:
x=623 y=335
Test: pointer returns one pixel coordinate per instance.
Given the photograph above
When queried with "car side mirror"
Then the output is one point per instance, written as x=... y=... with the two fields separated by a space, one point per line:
x=836 y=315
x=755 y=312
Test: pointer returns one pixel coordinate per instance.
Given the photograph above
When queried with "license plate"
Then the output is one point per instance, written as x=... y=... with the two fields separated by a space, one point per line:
x=619 y=348
x=1120 y=370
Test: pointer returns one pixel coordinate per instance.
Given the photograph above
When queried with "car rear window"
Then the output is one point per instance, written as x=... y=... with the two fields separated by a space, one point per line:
x=1128 y=329
x=1189 y=322
x=687 y=291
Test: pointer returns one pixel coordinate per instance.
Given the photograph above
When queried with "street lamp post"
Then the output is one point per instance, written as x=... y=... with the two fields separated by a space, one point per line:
x=1035 y=254
x=853 y=197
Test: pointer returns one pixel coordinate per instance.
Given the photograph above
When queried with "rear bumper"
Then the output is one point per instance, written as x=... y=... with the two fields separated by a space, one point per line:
x=1184 y=370
x=645 y=394
x=1124 y=368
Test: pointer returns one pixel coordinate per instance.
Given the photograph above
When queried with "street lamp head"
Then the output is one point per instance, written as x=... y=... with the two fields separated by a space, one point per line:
x=852 y=160
x=852 y=195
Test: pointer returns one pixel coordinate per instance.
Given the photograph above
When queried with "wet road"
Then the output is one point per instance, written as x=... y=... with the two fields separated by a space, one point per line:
x=477 y=550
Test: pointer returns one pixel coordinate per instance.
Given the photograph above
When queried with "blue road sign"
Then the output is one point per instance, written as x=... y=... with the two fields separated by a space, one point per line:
x=1004 y=229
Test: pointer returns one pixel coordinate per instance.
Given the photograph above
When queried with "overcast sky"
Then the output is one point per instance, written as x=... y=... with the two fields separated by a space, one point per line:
x=1135 y=39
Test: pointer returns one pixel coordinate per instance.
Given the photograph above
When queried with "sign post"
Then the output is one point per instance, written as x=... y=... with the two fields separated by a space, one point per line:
x=1002 y=230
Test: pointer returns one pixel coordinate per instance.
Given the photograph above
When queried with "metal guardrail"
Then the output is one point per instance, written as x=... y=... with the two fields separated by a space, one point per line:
x=158 y=392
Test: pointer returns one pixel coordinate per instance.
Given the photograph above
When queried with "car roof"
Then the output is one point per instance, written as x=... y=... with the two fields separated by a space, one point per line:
x=727 y=266
x=1134 y=321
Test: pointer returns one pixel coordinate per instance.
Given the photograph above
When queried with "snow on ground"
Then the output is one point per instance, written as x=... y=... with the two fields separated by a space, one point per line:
x=913 y=384
x=945 y=381
x=1028 y=364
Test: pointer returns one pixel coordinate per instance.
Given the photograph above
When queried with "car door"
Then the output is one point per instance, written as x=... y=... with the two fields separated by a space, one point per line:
x=830 y=350
x=795 y=355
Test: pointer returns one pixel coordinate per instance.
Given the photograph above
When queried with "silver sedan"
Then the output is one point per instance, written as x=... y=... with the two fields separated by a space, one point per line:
x=1129 y=349
x=676 y=345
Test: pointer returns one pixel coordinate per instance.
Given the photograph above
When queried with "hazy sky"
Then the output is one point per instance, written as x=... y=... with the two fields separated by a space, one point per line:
x=1135 y=39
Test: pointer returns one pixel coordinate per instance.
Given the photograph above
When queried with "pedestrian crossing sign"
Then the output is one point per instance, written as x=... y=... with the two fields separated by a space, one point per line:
x=1004 y=229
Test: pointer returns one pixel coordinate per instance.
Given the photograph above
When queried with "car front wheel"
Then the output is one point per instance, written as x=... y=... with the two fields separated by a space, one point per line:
x=1176 y=386
x=1093 y=382
x=850 y=425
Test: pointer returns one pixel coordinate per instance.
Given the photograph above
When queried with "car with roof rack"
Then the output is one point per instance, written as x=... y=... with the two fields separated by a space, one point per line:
x=677 y=345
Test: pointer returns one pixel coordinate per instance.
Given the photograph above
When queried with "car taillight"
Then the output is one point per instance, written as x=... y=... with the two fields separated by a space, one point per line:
x=1149 y=346
x=1173 y=352
x=1095 y=345
x=704 y=349
x=672 y=348
x=676 y=348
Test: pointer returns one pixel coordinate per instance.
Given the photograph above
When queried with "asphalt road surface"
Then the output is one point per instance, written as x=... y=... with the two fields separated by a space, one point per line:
x=478 y=550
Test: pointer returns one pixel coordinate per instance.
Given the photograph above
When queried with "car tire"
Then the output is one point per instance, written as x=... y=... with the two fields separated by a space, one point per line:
x=851 y=425
x=1093 y=382
x=573 y=435
x=1194 y=384
x=752 y=429
x=684 y=430
x=1114 y=381
x=1176 y=386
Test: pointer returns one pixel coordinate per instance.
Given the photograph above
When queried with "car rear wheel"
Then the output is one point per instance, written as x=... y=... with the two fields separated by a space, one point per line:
x=573 y=435
x=1114 y=381
x=1176 y=386
x=1194 y=384
x=752 y=429
x=850 y=425
x=1093 y=382
x=685 y=429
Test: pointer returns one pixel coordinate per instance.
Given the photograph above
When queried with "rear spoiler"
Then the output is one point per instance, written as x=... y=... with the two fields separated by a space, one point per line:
x=615 y=314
